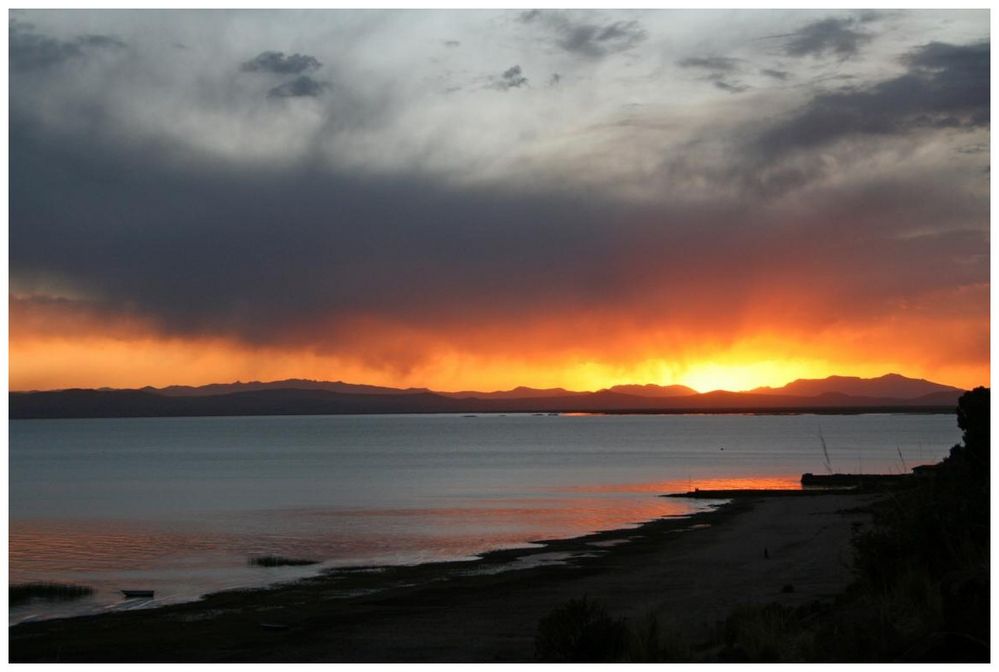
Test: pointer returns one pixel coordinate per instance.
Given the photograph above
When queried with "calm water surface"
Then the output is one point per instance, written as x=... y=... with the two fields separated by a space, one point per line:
x=178 y=505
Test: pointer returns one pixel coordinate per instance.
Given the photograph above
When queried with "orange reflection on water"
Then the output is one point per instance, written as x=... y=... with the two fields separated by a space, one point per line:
x=512 y=518
x=38 y=547
x=75 y=550
x=770 y=482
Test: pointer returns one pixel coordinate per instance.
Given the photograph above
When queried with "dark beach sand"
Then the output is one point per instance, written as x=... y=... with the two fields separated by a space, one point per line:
x=690 y=572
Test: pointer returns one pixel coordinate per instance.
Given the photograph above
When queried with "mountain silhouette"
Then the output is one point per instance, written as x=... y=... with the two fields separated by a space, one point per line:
x=890 y=385
x=654 y=390
x=516 y=393
x=304 y=397
x=287 y=384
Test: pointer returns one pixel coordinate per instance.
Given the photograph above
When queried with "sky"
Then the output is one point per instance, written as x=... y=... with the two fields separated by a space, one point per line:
x=472 y=199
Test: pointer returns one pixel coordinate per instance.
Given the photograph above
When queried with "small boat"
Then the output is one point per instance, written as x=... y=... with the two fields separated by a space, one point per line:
x=138 y=593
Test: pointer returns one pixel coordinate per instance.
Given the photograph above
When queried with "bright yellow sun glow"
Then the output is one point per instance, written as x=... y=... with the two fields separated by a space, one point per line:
x=739 y=377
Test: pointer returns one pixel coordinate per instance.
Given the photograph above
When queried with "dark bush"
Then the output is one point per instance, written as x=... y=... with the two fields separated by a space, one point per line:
x=580 y=631
x=924 y=564
x=766 y=633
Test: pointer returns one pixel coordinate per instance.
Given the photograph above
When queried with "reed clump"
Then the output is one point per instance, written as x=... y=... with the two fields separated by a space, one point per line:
x=22 y=593
x=280 y=561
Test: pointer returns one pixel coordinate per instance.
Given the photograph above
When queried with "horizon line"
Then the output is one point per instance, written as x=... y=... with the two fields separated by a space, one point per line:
x=474 y=391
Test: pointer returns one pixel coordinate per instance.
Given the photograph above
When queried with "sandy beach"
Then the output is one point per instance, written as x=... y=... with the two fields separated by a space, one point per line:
x=689 y=572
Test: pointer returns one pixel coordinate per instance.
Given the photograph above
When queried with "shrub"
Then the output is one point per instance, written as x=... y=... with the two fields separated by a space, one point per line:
x=651 y=641
x=580 y=631
x=767 y=633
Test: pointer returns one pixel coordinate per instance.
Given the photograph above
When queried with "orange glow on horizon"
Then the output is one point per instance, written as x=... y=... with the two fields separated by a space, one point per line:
x=102 y=362
x=56 y=346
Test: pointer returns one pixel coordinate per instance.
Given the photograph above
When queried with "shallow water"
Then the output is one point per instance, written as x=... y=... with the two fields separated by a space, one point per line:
x=178 y=505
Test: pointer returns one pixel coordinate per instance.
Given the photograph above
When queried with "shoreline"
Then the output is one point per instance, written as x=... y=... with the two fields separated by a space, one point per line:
x=522 y=554
x=488 y=560
x=293 y=621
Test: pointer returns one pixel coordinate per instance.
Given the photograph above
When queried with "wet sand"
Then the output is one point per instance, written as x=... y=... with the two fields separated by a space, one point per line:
x=690 y=572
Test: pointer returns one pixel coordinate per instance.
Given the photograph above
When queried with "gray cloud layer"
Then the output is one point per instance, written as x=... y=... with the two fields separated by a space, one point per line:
x=31 y=50
x=267 y=257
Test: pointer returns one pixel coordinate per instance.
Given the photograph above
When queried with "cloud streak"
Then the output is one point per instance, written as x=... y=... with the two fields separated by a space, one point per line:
x=946 y=86
x=719 y=69
x=837 y=37
x=276 y=62
x=585 y=38
x=300 y=87
x=512 y=78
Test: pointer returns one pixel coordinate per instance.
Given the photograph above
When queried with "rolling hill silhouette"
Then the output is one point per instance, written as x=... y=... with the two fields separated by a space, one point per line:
x=306 y=397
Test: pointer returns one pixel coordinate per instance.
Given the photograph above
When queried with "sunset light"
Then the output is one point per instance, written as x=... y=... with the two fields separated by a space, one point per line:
x=499 y=335
x=522 y=219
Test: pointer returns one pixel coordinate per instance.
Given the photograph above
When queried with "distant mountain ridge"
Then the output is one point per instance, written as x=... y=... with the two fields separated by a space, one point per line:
x=892 y=385
x=650 y=390
x=287 y=384
x=658 y=391
x=516 y=393
x=298 y=397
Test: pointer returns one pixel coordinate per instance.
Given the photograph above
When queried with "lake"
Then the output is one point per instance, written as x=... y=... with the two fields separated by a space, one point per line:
x=179 y=505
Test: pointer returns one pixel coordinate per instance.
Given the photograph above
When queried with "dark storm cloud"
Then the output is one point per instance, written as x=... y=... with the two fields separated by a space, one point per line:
x=30 y=50
x=971 y=60
x=300 y=87
x=276 y=62
x=592 y=40
x=512 y=78
x=272 y=256
x=829 y=36
x=258 y=254
x=945 y=86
